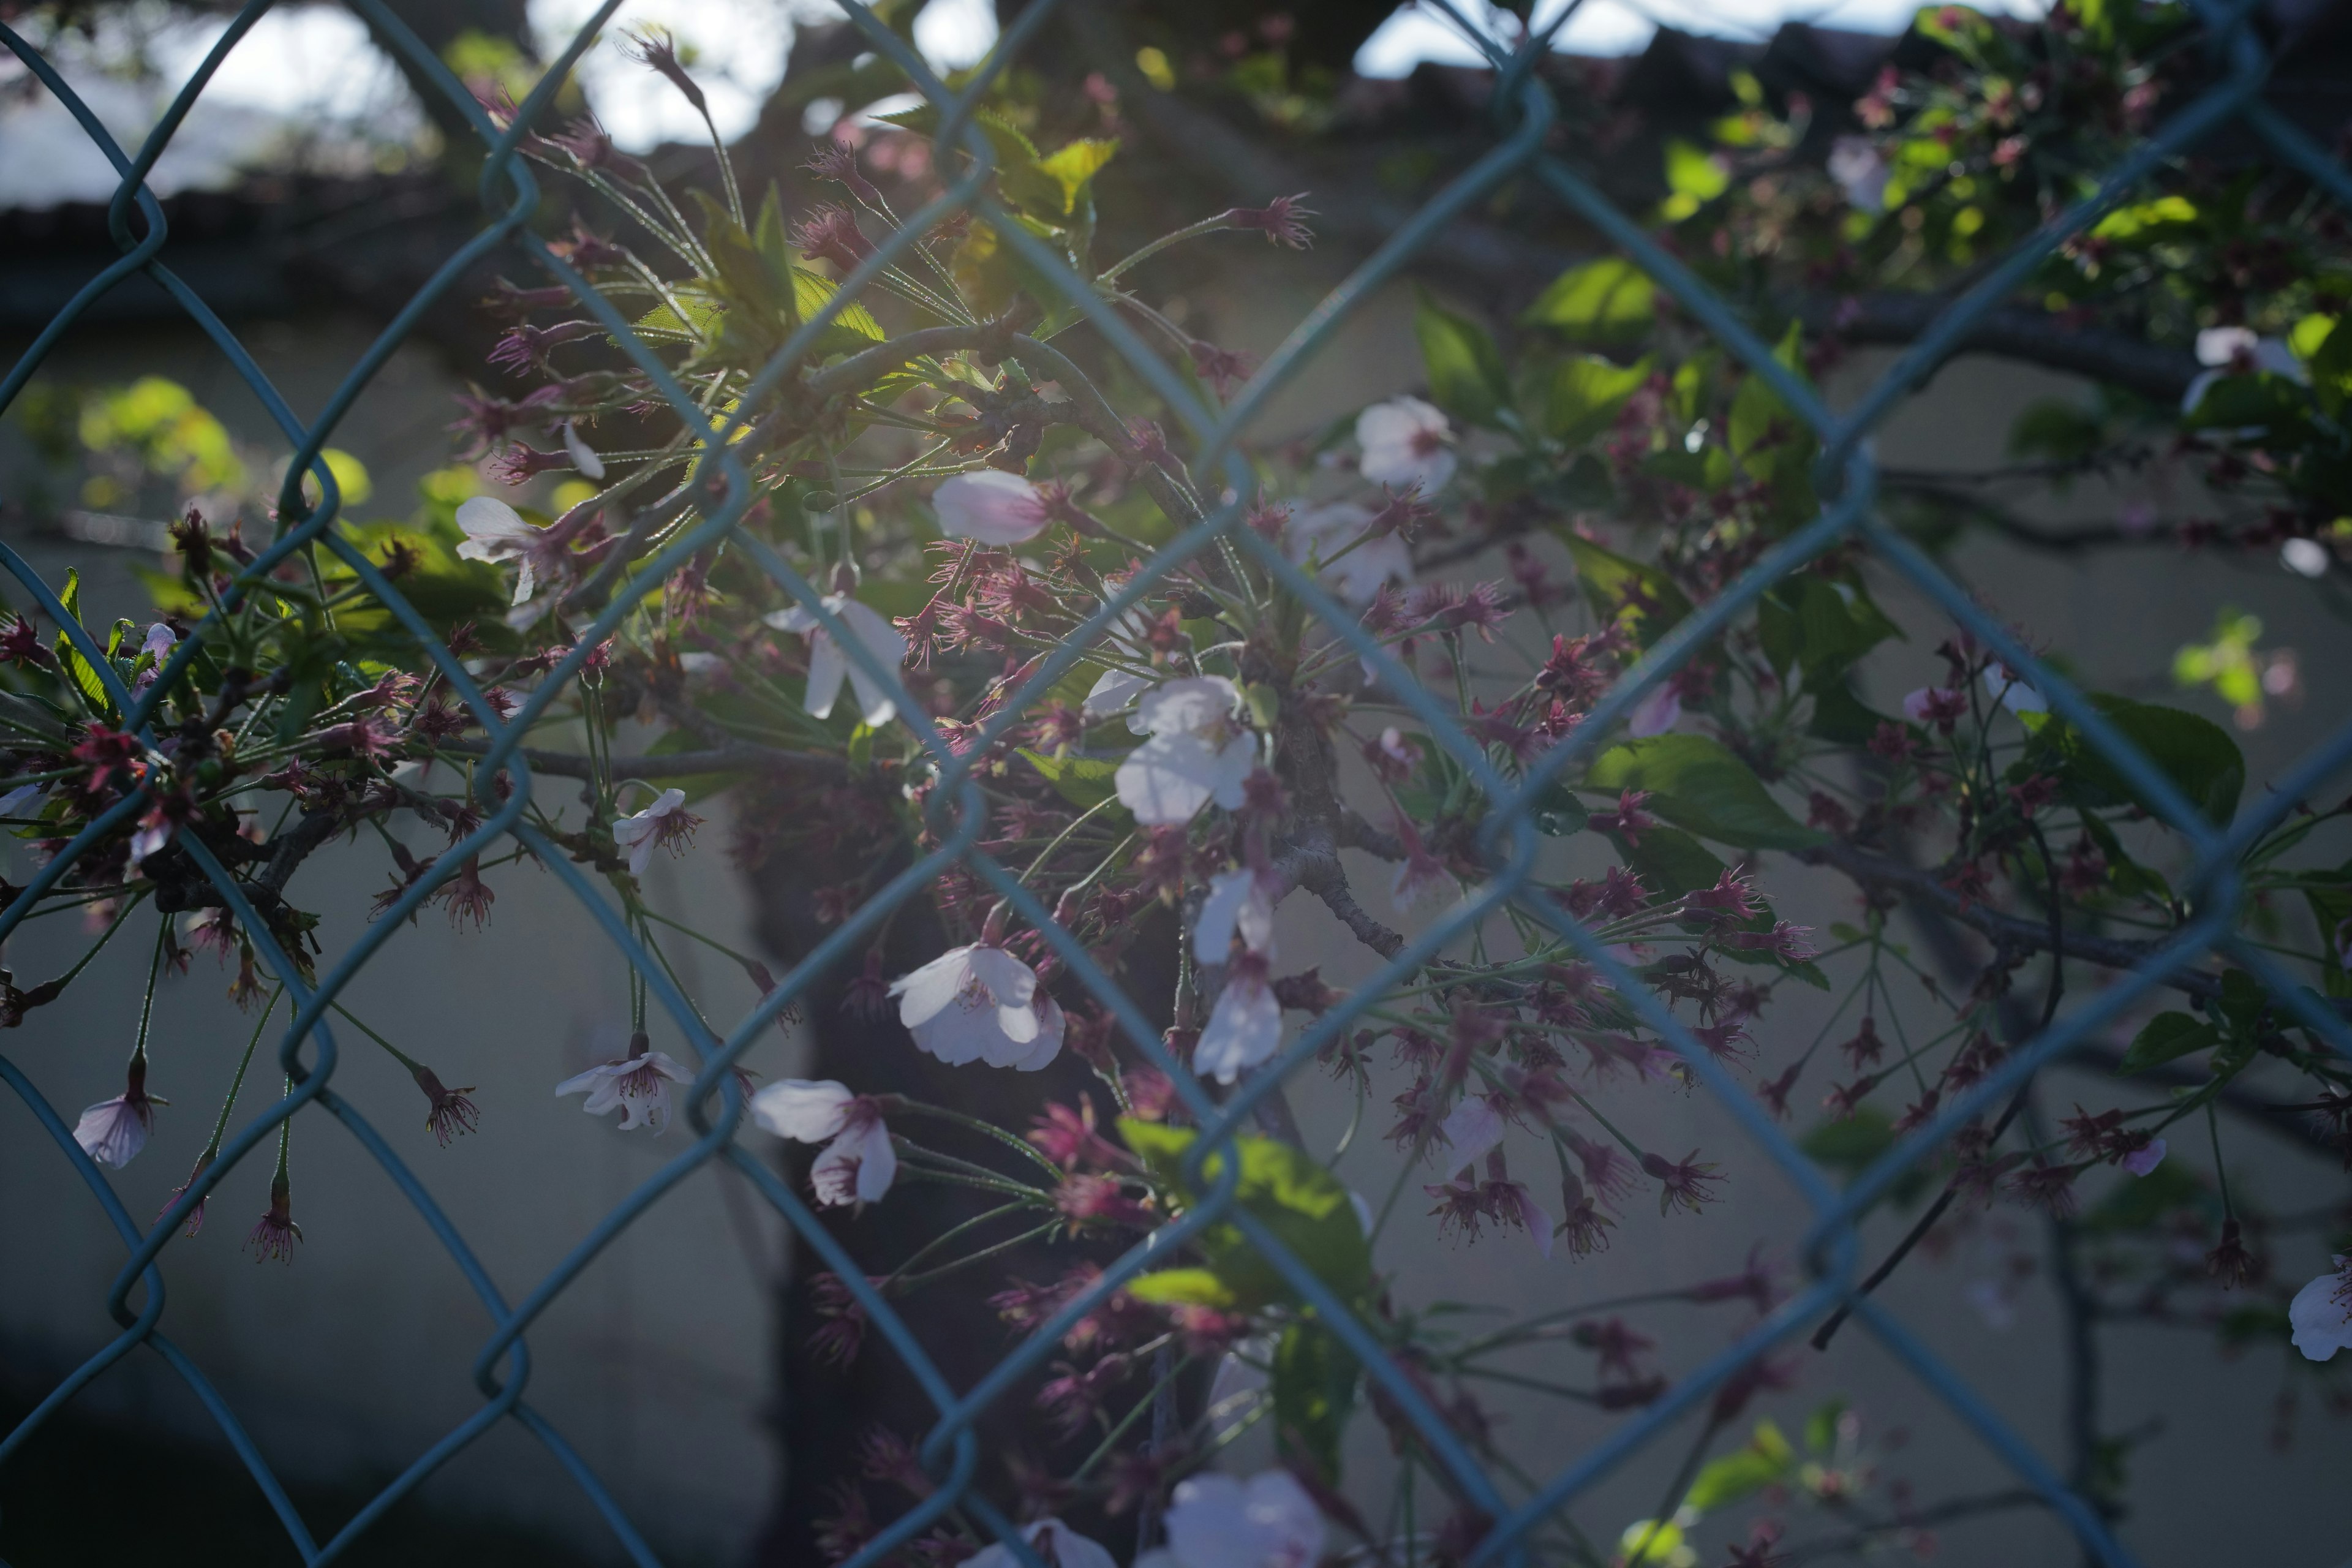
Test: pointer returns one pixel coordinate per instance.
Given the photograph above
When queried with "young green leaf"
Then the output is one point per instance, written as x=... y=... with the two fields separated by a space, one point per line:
x=1466 y=369
x=1701 y=784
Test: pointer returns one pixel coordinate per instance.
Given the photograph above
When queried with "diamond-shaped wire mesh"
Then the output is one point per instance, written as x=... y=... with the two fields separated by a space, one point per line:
x=1524 y=112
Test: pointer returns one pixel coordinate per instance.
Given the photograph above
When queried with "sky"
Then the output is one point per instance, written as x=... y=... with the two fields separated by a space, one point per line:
x=312 y=64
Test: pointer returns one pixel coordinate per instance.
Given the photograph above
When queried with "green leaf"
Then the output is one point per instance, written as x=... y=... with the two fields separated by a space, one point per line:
x=1557 y=812
x=1699 y=784
x=1300 y=1202
x=1314 y=1388
x=1585 y=394
x=1766 y=1459
x=1851 y=1144
x=1820 y=625
x=1822 y=1427
x=1020 y=174
x=1180 y=1288
x=1082 y=781
x=2144 y=223
x=79 y=672
x=1074 y=166
x=1640 y=595
x=1694 y=175
x=1466 y=369
x=1840 y=717
x=1670 y=862
x=2145 y=1201
x=2199 y=757
x=1602 y=303
x=2165 y=1036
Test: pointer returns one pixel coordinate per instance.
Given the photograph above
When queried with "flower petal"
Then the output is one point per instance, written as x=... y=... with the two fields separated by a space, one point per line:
x=1244 y=1028
x=926 y=991
x=804 y=1110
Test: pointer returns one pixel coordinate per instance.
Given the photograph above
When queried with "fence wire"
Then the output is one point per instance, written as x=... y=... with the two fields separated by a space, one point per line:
x=1523 y=112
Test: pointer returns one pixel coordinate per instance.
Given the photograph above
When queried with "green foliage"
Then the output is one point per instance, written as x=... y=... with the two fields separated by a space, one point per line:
x=1699 y=784
x=1766 y=1460
x=1851 y=1144
x=1082 y=781
x=2197 y=754
x=1585 y=394
x=1601 y=304
x=1314 y=1388
x=2166 y=1037
x=1466 y=369
x=1633 y=592
x=1300 y=1202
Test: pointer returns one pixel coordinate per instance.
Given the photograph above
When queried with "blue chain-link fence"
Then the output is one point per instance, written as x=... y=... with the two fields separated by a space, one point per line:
x=1523 y=114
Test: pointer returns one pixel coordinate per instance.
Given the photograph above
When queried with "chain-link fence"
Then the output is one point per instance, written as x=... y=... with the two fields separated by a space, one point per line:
x=1523 y=114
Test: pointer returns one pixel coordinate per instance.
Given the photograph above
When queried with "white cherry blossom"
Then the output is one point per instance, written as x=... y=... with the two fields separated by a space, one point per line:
x=980 y=1003
x=2239 y=350
x=638 y=1086
x=495 y=531
x=991 y=506
x=859 y=1163
x=1113 y=692
x=1244 y=1028
x=2009 y=688
x=1862 y=175
x=1322 y=532
x=640 y=832
x=829 y=667
x=1054 y=1542
x=1472 y=1129
x=1659 y=710
x=2144 y=1160
x=113 y=1131
x=583 y=457
x=1239 y=903
x=1406 y=442
x=1222 y=1521
x=2321 y=1313
x=1197 y=752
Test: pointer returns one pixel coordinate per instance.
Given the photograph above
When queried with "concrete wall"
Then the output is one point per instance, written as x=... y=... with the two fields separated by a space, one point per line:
x=657 y=1361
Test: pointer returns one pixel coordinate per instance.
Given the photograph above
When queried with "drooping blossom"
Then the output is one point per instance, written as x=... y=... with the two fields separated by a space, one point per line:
x=639 y=1085
x=495 y=531
x=1322 y=533
x=1240 y=903
x=829 y=667
x=992 y=506
x=2144 y=1160
x=980 y=1003
x=583 y=457
x=1937 y=705
x=2239 y=350
x=1471 y=1128
x=1197 y=752
x=1421 y=882
x=665 y=823
x=113 y=1131
x=1406 y=442
x=161 y=641
x=1113 y=692
x=2010 y=689
x=1862 y=175
x=2321 y=1313
x=1052 y=1539
x=1659 y=710
x=858 y=1164
x=1245 y=1026
x=24 y=800
x=1222 y=1521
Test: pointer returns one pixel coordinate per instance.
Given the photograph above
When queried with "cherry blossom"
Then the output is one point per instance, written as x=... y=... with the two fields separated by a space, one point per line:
x=666 y=822
x=495 y=531
x=24 y=800
x=991 y=506
x=1862 y=175
x=2144 y=1160
x=980 y=1003
x=1197 y=752
x=858 y=1164
x=1113 y=692
x=161 y=641
x=638 y=1084
x=1659 y=710
x=829 y=667
x=2009 y=689
x=113 y=1131
x=2321 y=1313
x=583 y=457
x=1244 y=1025
x=2239 y=350
x=1405 y=442
x=1323 y=532
x=1054 y=1542
x=1240 y=903
x=1474 y=1128
x=1222 y=1521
